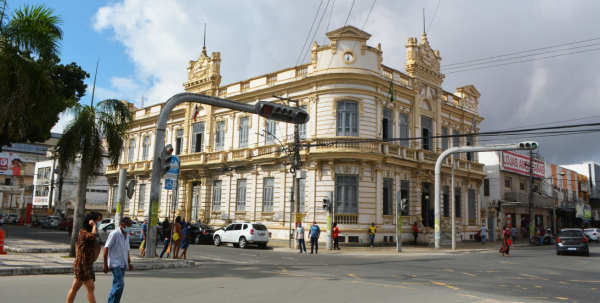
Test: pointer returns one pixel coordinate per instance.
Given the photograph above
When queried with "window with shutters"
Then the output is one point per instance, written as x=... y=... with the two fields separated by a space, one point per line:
x=405 y=194
x=446 y=197
x=302 y=127
x=347 y=118
x=387 y=128
x=241 y=195
x=346 y=194
x=146 y=148
x=426 y=132
x=271 y=135
x=388 y=191
x=508 y=182
x=115 y=197
x=179 y=142
x=131 y=150
x=444 y=140
x=471 y=155
x=142 y=197
x=472 y=204
x=244 y=131
x=486 y=187
x=457 y=201
x=220 y=136
x=198 y=137
x=404 y=133
x=269 y=184
x=195 y=209
x=217 y=185
x=456 y=142
x=302 y=194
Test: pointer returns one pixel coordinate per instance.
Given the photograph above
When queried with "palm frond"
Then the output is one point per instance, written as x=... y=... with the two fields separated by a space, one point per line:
x=35 y=28
x=114 y=119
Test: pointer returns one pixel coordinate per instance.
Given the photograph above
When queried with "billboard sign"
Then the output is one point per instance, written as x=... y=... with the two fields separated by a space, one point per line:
x=10 y=164
x=40 y=201
x=587 y=212
x=518 y=163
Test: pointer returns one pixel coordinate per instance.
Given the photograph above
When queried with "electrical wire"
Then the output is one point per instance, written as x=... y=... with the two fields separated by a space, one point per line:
x=436 y=9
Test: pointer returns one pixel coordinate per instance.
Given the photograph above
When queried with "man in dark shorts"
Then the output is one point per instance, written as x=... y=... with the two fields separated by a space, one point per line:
x=185 y=234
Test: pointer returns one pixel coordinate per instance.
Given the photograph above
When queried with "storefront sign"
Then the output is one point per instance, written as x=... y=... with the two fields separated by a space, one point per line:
x=518 y=163
x=10 y=164
x=584 y=187
x=587 y=212
x=579 y=210
x=37 y=201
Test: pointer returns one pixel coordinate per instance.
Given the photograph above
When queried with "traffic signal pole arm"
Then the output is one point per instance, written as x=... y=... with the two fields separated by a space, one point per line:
x=269 y=110
x=527 y=145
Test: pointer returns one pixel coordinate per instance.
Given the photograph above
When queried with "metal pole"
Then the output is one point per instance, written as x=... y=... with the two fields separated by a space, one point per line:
x=51 y=185
x=452 y=204
x=121 y=192
x=554 y=209
x=398 y=221
x=329 y=243
x=531 y=215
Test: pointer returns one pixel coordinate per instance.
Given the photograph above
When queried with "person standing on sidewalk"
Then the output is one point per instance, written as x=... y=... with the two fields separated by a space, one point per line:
x=143 y=237
x=166 y=235
x=336 y=234
x=84 y=259
x=176 y=237
x=415 y=233
x=483 y=234
x=185 y=243
x=542 y=234
x=300 y=237
x=372 y=231
x=513 y=233
x=315 y=233
x=116 y=258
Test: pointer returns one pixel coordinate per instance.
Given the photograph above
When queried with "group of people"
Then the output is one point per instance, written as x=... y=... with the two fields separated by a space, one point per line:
x=178 y=233
x=115 y=256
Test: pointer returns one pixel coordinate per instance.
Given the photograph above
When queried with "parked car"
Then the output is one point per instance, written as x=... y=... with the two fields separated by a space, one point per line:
x=64 y=225
x=242 y=234
x=134 y=234
x=593 y=234
x=201 y=233
x=51 y=222
x=9 y=218
x=572 y=240
x=106 y=222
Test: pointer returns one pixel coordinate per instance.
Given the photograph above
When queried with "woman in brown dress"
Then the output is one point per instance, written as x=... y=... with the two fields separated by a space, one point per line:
x=505 y=248
x=84 y=260
x=177 y=243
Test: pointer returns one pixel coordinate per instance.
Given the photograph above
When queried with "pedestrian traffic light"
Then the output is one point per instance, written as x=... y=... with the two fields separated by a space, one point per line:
x=403 y=204
x=165 y=158
x=328 y=202
x=528 y=145
x=280 y=112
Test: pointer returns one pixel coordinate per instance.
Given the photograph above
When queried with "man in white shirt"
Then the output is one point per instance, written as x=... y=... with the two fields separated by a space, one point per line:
x=116 y=258
x=300 y=237
x=483 y=233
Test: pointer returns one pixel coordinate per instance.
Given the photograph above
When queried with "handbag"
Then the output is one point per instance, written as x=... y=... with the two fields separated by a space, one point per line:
x=509 y=242
x=175 y=236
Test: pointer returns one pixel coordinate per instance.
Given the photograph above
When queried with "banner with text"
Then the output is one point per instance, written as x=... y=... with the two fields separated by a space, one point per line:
x=518 y=163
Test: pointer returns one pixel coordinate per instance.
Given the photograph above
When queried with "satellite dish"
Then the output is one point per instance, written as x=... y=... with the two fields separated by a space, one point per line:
x=130 y=188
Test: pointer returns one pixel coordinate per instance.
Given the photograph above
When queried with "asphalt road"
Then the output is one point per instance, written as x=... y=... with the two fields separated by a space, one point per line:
x=531 y=274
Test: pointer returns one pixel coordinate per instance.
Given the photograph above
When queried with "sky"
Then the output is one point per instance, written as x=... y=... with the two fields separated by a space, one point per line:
x=144 y=48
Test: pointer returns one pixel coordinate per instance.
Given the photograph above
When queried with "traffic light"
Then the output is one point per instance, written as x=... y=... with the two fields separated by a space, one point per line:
x=528 y=145
x=328 y=202
x=280 y=112
x=165 y=158
x=403 y=204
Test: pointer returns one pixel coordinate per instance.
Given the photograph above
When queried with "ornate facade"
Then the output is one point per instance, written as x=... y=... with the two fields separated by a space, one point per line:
x=357 y=143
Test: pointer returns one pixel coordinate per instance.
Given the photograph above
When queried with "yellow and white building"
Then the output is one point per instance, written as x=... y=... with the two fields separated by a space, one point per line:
x=230 y=172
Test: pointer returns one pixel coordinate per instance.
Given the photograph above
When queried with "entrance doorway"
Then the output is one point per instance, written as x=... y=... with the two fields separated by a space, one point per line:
x=426 y=206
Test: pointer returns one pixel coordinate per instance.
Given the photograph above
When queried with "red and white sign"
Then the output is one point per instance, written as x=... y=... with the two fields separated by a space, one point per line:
x=518 y=163
x=10 y=164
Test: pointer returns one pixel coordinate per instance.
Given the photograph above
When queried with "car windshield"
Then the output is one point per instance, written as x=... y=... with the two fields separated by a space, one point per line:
x=259 y=227
x=136 y=225
x=570 y=233
x=204 y=226
x=590 y=230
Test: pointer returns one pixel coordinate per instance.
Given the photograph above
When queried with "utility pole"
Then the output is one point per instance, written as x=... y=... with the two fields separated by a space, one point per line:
x=51 y=185
x=531 y=215
x=121 y=197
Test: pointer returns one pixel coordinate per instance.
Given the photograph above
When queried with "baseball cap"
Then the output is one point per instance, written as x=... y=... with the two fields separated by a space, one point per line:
x=126 y=220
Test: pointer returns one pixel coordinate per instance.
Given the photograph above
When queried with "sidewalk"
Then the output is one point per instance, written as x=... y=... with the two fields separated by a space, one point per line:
x=21 y=245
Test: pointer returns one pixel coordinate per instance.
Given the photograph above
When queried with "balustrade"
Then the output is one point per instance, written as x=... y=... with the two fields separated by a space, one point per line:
x=346 y=218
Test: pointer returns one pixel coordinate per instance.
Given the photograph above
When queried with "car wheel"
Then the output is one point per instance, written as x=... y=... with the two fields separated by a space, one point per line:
x=557 y=253
x=553 y=241
x=197 y=240
x=236 y=245
x=262 y=246
x=586 y=254
x=598 y=240
x=217 y=241
x=242 y=244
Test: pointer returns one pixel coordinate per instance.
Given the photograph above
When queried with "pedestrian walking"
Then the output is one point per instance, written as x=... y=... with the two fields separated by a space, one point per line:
x=315 y=233
x=483 y=234
x=372 y=231
x=505 y=248
x=143 y=237
x=166 y=235
x=85 y=257
x=336 y=234
x=415 y=233
x=116 y=258
x=300 y=237
x=185 y=237
x=176 y=237
x=523 y=231
x=542 y=234
x=183 y=223
x=513 y=233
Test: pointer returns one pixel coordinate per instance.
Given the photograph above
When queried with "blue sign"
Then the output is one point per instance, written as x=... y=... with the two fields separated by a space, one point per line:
x=173 y=174
x=169 y=184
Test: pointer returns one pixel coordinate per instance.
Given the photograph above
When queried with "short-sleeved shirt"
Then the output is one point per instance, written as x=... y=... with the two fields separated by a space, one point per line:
x=314 y=231
x=300 y=231
x=144 y=231
x=118 y=249
x=542 y=232
x=336 y=232
x=185 y=232
x=372 y=230
x=513 y=231
x=484 y=231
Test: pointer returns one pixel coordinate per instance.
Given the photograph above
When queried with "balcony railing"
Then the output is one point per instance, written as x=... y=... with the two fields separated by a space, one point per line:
x=346 y=219
x=346 y=143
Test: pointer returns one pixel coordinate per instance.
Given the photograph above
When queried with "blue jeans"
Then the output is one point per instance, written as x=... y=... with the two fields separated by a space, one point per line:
x=118 y=285
x=372 y=239
x=301 y=244
x=314 y=243
x=483 y=238
x=542 y=240
x=164 y=248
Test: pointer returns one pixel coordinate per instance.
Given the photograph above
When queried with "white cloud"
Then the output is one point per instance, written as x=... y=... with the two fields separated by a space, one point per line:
x=63 y=120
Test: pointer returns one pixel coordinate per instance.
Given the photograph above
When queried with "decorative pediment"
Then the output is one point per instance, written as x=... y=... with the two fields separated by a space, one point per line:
x=348 y=32
x=469 y=90
x=423 y=62
x=204 y=73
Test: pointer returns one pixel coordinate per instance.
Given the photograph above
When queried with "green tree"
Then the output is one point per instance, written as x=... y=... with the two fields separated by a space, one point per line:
x=34 y=88
x=94 y=133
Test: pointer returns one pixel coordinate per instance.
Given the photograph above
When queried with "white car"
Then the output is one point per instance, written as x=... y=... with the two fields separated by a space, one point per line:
x=593 y=234
x=242 y=234
x=105 y=222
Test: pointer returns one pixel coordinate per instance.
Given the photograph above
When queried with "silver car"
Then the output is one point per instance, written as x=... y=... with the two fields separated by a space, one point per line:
x=51 y=222
x=134 y=234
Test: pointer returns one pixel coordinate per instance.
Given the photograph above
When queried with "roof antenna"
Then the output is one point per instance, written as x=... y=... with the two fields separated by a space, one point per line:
x=423 y=20
x=142 y=101
x=204 y=47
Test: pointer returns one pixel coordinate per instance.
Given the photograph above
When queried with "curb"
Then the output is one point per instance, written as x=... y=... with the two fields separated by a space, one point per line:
x=36 y=250
x=47 y=270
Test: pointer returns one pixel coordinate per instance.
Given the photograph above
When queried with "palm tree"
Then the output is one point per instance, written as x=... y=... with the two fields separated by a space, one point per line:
x=95 y=131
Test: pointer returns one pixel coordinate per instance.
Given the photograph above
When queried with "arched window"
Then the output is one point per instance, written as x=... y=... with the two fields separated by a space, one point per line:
x=347 y=118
